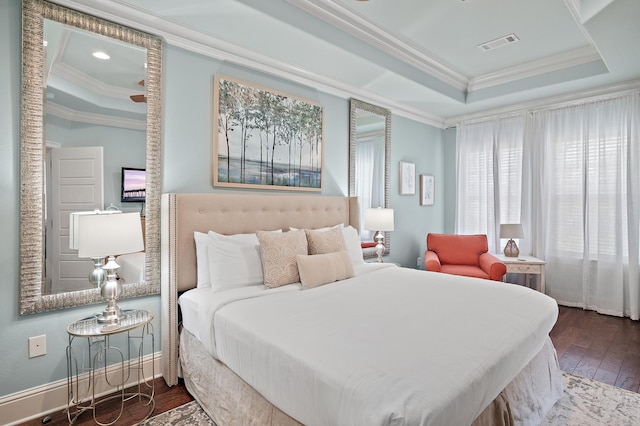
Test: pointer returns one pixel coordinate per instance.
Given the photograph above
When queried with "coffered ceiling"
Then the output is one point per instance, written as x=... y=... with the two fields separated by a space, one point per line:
x=421 y=58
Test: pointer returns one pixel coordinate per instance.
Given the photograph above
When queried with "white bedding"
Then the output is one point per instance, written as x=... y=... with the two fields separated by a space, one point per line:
x=389 y=346
x=131 y=267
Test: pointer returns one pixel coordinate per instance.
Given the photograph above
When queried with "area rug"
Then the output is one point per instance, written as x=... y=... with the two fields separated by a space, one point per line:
x=585 y=403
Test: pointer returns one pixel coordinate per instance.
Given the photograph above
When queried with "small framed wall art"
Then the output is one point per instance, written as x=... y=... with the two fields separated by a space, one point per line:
x=427 y=190
x=407 y=178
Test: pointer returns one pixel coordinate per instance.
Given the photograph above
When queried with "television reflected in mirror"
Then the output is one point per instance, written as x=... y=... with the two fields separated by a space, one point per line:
x=133 y=185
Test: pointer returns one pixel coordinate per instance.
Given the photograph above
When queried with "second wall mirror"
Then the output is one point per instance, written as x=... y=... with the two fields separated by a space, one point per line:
x=369 y=160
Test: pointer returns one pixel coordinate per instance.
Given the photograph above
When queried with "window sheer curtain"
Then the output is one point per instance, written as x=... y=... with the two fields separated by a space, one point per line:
x=577 y=194
x=369 y=178
x=489 y=165
x=585 y=203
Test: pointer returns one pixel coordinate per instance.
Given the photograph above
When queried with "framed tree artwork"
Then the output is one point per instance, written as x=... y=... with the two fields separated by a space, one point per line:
x=266 y=139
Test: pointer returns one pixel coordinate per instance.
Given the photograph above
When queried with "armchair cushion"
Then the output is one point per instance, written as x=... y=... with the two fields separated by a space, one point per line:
x=431 y=261
x=462 y=255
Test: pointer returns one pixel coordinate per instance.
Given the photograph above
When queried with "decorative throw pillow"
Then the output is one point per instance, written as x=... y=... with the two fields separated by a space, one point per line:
x=322 y=269
x=321 y=242
x=278 y=253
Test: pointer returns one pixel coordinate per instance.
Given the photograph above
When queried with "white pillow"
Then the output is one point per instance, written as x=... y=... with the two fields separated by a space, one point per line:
x=352 y=244
x=202 y=260
x=234 y=260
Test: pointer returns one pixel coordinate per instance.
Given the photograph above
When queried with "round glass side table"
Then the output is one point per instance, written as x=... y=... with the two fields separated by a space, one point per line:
x=100 y=361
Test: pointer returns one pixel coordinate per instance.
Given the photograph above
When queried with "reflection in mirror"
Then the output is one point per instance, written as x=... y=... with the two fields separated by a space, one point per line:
x=369 y=159
x=93 y=128
x=87 y=118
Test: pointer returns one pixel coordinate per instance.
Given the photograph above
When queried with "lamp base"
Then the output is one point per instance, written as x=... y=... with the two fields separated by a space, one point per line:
x=380 y=246
x=110 y=291
x=97 y=275
x=511 y=249
x=110 y=317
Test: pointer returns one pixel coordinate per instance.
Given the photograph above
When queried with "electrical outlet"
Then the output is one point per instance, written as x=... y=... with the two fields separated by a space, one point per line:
x=37 y=346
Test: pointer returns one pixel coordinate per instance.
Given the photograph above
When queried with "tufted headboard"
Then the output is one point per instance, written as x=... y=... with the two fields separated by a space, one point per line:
x=227 y=213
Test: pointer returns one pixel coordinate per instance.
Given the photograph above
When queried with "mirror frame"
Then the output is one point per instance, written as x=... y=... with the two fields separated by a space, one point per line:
x=356 y=104
x=32 y=156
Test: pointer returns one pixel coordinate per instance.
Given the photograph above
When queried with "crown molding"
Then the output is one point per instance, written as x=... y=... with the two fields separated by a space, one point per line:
x=550 y=102
x=343 y=18
x=367 y=31
x=188 y=39
x=92 y=118
x=90 y=83
x=541 y=66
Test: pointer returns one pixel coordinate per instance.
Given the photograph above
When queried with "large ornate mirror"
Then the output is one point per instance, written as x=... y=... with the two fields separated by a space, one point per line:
x=369 y=159
x=84 y=118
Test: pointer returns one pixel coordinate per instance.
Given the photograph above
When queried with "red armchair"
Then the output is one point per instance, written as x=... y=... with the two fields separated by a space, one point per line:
x=466 y=255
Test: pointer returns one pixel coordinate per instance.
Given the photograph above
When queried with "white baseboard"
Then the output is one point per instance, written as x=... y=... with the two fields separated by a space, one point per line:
x=51 y=397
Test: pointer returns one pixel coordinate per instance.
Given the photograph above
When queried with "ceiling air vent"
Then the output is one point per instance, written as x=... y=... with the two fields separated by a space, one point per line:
x=502 y=41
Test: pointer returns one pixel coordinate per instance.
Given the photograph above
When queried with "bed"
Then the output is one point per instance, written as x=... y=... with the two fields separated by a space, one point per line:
x=394 y=345
x=132 y=267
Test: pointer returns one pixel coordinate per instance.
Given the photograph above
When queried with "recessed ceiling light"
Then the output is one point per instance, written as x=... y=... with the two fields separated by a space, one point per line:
x=101 y=55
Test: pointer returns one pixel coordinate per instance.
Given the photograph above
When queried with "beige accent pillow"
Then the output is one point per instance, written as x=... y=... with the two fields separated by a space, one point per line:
x=324 y=268
x=321 y=242
x=278 y=253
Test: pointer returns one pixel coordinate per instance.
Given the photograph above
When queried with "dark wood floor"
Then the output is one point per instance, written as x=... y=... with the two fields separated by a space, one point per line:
x=166 y=398
x=600 y=347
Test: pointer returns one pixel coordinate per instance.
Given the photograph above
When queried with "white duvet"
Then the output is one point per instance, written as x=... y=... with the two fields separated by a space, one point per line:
x=391 y=346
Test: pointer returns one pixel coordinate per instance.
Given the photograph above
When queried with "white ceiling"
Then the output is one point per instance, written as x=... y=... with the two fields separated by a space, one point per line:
x=420 y=58
x=83 y=89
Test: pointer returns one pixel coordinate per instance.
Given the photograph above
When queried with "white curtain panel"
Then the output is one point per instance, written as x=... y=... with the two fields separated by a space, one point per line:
x=369 y=178
x=571 y=176
x=489 y=167
x=585 y=202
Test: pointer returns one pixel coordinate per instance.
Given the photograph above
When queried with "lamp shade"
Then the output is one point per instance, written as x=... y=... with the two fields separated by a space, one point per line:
x=511 y=230
x=378 y=219
x=107 y=234
x=74 y=223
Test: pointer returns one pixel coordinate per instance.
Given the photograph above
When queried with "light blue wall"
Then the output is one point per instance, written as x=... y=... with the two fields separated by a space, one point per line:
x=188 y=144
x=188 y=111
x=17 y=371
x=187 y=167
x=420 y=144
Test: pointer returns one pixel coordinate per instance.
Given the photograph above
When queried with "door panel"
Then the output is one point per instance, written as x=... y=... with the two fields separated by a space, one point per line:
x=77 y=184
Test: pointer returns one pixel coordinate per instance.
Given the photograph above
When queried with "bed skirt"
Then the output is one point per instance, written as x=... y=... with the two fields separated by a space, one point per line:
x=229 y=400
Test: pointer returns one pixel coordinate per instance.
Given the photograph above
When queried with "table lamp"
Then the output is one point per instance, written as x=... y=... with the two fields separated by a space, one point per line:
x=511 y=231
x=379 y=220
x=102 y=234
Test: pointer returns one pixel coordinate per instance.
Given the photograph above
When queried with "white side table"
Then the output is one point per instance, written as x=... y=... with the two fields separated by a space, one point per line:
x=91 y=351
x=525 y=265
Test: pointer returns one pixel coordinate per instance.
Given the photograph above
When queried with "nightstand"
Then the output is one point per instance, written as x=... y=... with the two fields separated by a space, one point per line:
x=100 y=360
x=525 y=265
